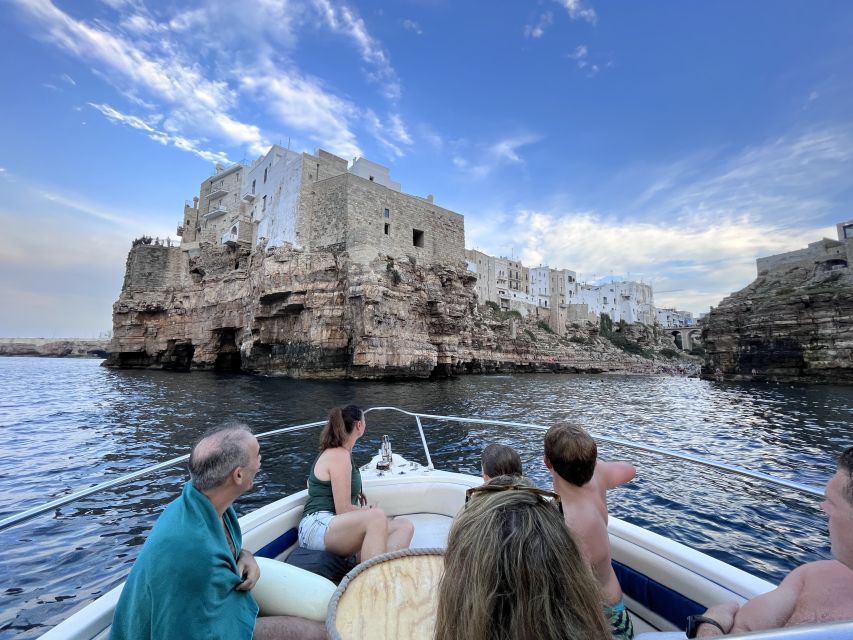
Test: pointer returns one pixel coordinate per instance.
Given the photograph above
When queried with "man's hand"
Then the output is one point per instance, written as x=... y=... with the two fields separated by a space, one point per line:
x=722 y=613
x=249 y=570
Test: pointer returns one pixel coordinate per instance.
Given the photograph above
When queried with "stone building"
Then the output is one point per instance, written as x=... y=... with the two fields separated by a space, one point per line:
x=825 y=254
x=317 y=202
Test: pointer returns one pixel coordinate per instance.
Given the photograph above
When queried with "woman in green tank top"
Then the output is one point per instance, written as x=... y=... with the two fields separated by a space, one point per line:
x=336 y=517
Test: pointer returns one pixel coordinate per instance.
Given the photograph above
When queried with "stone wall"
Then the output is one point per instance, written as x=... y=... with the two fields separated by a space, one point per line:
x=822 y=251
x=151 y=267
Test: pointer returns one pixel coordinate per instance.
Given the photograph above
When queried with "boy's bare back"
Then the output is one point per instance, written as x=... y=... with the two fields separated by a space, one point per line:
x=585 y=512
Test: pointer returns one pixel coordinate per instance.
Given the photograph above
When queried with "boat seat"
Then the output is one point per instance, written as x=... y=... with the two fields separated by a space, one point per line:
x=431 y=530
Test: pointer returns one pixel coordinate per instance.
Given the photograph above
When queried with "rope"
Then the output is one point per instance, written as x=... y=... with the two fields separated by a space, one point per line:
x=331 y=629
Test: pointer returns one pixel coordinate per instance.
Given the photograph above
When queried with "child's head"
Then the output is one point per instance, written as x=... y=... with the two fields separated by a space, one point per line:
x=500 y=460
x=571 y=452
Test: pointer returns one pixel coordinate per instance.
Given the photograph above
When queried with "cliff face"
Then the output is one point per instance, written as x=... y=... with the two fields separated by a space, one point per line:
x=318 y=314
x=791 y=324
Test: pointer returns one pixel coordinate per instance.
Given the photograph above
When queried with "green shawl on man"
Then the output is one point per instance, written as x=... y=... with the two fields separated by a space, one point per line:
x=182 y=585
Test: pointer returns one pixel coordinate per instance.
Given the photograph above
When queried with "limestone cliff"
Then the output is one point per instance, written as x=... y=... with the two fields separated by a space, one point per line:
x=791 y=324
x=318 y=314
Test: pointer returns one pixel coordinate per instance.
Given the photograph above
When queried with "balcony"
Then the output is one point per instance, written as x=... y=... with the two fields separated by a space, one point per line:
x=249 y=197
x=215 y=212
x=217 y=191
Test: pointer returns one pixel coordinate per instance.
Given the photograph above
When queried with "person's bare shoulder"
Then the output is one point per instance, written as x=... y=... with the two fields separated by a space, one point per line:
x=822 y=570
x=613 y=474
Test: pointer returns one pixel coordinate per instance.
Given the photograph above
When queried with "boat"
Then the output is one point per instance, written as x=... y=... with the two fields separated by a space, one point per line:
x=663 y=580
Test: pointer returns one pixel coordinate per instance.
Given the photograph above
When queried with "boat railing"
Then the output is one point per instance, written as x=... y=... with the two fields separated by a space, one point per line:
x=15 y=519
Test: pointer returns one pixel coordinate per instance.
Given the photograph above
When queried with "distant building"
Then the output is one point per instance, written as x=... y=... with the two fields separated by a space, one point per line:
x=826 y=254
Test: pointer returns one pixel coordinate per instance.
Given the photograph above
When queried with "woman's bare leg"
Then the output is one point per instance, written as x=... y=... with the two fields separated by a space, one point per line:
x=400 y=532
x=364 y=531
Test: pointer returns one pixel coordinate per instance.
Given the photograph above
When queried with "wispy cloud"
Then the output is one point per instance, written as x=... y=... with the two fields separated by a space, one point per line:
x=578 y=10
x=68 y=79
x=179 y=142
x=482 y=160
x=193 y=69
x=411 y=25
x=345 y=20
x=698 y=227
x=537 y=30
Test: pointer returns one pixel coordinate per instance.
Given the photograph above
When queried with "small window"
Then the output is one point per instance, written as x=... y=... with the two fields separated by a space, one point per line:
x=417 y=238
x=253 y=185
x=264 y=204
x=265 y=175
x=387 y=213
x=387 y=229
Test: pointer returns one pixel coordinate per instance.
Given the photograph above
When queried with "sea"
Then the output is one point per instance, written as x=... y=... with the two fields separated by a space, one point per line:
x=70 y=424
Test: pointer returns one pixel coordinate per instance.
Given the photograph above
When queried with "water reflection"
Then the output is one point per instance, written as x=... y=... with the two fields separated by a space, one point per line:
x=69 y=424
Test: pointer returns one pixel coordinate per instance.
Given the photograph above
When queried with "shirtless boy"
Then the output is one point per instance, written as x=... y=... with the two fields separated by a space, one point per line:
x=582 y=481
x=816 y=592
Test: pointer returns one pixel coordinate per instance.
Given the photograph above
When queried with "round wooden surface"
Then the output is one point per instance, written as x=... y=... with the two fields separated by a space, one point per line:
x=389 y=598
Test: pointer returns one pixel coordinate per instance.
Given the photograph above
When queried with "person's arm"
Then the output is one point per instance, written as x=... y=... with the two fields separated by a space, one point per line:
x=616 y=473
x=340 y=474
x=771 y=610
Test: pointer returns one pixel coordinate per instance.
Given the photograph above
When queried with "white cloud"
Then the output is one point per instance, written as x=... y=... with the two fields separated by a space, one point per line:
x=538 y=30
x=578 y=10
x=303 y=104
x=345 y=20
x=68 y=79
x=411 y=25
x=178 y=142
x=700 y=226
x=489 y=157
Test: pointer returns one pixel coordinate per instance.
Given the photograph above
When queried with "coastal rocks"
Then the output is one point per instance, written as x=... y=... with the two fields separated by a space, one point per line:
x=790 y=324
x=320 y=315
x=54 y=348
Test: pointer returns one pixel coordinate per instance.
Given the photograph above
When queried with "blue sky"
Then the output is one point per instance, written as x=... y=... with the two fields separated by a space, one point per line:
x=667 y=141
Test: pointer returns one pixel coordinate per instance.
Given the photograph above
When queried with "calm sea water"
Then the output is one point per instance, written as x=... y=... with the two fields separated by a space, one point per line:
x=69 y=424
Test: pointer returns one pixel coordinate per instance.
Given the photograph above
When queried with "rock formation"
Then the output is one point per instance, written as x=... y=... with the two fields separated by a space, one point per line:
x=793 y=323
x=318 y=314
x=54 y=347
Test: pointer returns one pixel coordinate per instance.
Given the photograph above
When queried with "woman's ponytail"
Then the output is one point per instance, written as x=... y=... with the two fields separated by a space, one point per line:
x=340 y=425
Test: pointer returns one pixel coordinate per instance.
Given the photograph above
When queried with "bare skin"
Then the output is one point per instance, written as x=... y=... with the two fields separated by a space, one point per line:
x=285 y=627
x=813 y=593
x=585 y=512
x=360 y=529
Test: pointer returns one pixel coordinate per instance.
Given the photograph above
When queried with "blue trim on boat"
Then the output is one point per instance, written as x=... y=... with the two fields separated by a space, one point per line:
x=656 y=597
x=277 y=546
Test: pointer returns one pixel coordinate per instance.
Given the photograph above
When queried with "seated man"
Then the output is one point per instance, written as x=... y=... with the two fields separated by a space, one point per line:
x=192 y=579
x=816 y=592
x=500 y=460
x=582 y=481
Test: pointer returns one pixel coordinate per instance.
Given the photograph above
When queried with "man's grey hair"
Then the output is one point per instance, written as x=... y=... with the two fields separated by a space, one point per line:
x=217 y=453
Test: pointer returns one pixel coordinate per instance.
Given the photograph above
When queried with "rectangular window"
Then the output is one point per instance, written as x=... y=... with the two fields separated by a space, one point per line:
x=387 y=213
x=264 y=205
x=417 y=238
x=387 y=229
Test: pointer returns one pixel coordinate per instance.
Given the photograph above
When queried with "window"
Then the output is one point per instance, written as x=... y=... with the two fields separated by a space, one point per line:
x=387 y=213
x=265 y=174
x=417 y=238
x=387 y=229
x=264 y=204
x=253 y=185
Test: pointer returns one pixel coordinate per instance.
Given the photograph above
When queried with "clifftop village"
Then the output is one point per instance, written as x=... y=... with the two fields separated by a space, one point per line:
x=285 y=198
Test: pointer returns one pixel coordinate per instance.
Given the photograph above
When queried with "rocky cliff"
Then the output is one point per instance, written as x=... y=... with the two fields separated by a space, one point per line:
x=301 y=314
x=791 y=324
x=54 y=347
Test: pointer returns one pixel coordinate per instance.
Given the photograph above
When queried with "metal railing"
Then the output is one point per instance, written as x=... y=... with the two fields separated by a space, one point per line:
x=15 y=519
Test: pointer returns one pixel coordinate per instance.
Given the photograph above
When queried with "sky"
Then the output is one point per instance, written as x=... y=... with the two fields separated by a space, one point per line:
x=670 y=142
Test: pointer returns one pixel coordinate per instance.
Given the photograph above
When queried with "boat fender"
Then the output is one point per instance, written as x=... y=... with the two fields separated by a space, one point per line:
x=285 y=590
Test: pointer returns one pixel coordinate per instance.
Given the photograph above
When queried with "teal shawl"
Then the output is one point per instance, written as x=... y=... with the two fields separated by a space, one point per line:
x=182 y=583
